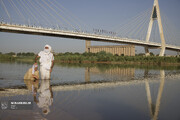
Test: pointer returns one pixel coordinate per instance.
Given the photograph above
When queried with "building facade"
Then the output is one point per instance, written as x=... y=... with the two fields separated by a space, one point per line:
x=126 y=50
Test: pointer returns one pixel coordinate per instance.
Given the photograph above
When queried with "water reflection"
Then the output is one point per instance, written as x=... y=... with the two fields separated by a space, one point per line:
x=154 y=108
x=113 y=87
x=43 y=95
x=87 y=74
x=117 y=73
x=32 y=85
x=45 y=98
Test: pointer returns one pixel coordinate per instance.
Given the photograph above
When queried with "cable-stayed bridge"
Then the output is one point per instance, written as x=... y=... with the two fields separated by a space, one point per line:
x=39 y=30
x=79 y=35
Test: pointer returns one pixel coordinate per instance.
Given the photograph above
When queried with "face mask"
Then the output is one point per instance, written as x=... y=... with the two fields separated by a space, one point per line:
x=46 y=50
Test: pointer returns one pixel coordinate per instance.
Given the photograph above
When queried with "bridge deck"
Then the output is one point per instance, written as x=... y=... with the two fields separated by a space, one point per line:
x=80 y=35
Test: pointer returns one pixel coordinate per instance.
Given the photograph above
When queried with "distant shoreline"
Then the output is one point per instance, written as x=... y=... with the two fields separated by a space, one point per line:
x=127 y=62
x=99 y=58
x=147 y=63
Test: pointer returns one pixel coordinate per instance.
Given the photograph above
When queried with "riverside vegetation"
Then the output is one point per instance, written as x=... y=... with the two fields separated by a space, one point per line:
x=100 y=57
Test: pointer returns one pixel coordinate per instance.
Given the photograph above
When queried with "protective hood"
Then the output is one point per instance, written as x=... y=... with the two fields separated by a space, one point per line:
x=47 y=51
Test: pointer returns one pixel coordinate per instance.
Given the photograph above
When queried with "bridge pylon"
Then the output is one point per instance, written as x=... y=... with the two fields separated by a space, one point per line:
x=155 y=15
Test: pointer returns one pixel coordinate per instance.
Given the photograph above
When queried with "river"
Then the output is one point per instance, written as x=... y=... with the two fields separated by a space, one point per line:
x=93 y=92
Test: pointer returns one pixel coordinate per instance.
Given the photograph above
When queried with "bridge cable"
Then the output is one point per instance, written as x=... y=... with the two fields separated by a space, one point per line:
x=143 y=31
x=165 y=29
x=121 y=26
x=171 y=30
x=140 y=26
x=78 y=20
x=31 y=11
x=16 y=9
x=166 y=32
x=135 y=27
x=19 y=4
x=27 y=10
x=6 y=9
x=34 y=8
x=39 y=11
x=131 y=25
x=66 y=15
x=58 y=13
x=45 y=9
x=125 y=27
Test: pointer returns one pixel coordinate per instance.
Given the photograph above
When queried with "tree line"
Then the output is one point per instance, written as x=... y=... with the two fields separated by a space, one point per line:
x=94 y=57
x=108 y=57
x=19 y=54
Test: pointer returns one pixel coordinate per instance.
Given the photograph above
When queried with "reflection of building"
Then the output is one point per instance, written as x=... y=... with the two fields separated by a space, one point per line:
x=123 y=72
x=127 y=50
x=115 y=71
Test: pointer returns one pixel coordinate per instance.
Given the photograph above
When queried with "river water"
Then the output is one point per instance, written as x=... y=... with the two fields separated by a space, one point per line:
x=92 y=92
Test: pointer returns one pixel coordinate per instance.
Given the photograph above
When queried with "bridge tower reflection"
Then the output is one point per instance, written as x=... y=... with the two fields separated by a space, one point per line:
x=154 y=109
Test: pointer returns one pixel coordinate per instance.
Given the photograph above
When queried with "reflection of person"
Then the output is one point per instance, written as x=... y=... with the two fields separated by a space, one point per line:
x=46 y=62
x=32 y=73
x=45 y=98
x=32 y=85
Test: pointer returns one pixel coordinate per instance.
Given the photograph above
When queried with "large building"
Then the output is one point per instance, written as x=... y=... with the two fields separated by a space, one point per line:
x=126 y=50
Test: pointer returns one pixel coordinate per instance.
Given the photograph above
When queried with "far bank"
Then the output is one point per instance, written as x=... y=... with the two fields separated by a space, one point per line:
x=101 y=57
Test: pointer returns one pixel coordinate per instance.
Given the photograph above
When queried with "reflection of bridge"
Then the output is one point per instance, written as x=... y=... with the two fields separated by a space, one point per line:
x=155 y=15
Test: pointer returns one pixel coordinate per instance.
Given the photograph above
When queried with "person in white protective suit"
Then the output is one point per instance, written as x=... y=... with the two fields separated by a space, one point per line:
x=46 y=62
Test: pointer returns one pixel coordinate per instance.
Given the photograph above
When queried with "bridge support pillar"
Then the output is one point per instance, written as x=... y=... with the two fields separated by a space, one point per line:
x=88 y=44
x=147 y=51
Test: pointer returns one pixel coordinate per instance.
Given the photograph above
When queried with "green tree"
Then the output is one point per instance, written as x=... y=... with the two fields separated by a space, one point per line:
x=11 y=53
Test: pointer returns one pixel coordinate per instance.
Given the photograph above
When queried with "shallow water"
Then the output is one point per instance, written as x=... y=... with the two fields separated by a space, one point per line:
x=94 y=91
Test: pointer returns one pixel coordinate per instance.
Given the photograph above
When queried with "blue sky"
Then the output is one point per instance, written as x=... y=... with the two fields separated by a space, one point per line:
x=100 y=14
